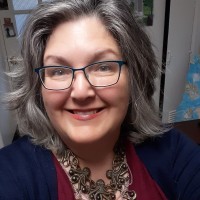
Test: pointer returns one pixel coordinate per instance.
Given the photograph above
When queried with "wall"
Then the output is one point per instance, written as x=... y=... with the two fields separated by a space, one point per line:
x=7 y=118
x=196 y=31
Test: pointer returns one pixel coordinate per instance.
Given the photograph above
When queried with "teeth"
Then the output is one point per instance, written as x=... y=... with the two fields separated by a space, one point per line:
x=85 y=113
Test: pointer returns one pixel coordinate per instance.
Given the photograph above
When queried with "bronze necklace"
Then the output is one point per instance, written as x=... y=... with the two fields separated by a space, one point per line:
x=119 y=177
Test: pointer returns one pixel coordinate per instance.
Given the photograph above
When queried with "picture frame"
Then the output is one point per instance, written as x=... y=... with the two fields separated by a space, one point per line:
x=3 y=5
x=143 y=9
x=9 y=28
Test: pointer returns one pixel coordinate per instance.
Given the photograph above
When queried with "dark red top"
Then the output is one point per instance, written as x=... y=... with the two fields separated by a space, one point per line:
x=144 y=186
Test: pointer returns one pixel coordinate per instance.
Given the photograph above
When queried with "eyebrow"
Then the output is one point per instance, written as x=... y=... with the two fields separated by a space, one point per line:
x=102 y=52
x=96 y=56
x=55 y=58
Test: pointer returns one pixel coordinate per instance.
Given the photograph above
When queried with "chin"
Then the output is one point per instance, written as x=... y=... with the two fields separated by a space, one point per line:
x=85 y=138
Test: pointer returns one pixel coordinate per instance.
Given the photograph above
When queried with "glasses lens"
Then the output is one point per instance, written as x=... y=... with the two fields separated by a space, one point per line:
x=103 y=74
x=56 y=78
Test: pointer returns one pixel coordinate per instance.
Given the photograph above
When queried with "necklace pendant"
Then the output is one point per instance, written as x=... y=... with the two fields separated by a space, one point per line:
x=129 y=195
x=102 y=191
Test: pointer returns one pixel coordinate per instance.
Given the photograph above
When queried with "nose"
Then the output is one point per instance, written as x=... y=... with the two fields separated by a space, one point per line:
x=81 y=89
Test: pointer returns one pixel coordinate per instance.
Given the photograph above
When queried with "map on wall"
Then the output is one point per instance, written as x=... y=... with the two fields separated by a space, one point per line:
x=189 y=108
x=143 y=9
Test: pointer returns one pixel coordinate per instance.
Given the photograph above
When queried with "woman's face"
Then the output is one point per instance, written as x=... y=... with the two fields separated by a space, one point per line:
x=82 y=113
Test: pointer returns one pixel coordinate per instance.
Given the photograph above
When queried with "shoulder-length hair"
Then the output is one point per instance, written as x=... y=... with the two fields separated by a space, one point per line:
x=141 y=121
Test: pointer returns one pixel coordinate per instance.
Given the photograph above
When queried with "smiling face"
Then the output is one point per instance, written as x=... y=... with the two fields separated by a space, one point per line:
x=83 y=114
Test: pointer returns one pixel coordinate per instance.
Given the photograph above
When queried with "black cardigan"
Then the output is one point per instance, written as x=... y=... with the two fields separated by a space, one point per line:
x=27 y=171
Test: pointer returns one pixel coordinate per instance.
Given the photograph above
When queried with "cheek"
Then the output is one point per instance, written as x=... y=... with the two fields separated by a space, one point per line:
x=116 y=97
x=123 y=89
x=122 y=94
x=54 y=100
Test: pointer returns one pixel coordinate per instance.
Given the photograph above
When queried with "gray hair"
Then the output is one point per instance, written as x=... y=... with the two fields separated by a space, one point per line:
x=141 y=121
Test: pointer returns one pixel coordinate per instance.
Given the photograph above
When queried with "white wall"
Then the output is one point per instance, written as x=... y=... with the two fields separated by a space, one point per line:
x=1 y=141
x=196 y=31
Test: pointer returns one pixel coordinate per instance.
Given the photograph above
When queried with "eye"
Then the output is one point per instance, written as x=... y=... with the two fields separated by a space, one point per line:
x=56 y=72
x=101 y=69
x=104 y=68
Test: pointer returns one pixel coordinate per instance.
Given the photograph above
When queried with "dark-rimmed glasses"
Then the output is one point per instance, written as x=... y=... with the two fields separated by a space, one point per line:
x=98 y=74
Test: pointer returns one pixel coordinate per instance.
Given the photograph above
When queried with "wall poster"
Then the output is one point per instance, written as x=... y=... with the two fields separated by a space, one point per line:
x=9 y=28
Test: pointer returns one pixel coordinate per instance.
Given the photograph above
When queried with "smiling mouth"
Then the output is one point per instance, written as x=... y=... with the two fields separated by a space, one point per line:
x=86 y=112
x=85 y=115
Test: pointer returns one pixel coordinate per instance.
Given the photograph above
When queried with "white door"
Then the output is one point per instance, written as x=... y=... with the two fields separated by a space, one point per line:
x=178 y=58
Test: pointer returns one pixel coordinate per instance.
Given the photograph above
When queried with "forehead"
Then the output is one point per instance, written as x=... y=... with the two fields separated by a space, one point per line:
x=81 y=29
x=81 y=37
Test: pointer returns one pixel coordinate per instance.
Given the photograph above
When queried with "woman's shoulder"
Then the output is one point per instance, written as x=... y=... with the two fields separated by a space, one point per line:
x=172 y=144
x=170 y=139
x=16 y=153
x=26 y=168
x=20 y=151
x=173 y=160
x=17 y=145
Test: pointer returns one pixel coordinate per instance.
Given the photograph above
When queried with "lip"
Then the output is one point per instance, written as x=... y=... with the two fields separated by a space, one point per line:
x=84 y=115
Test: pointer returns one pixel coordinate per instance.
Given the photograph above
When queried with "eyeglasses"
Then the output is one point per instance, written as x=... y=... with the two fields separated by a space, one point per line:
x=98 y=74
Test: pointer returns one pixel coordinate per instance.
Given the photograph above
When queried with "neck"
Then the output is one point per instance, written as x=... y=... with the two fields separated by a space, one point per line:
x=98 y=157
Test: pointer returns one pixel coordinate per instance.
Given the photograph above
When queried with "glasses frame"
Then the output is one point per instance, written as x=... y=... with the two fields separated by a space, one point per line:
x=120 y=64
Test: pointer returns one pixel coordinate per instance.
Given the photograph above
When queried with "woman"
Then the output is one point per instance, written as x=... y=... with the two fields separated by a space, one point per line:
x=85 y=107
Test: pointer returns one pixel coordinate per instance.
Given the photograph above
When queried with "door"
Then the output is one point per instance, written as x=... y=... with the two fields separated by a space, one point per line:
x=178 y=55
